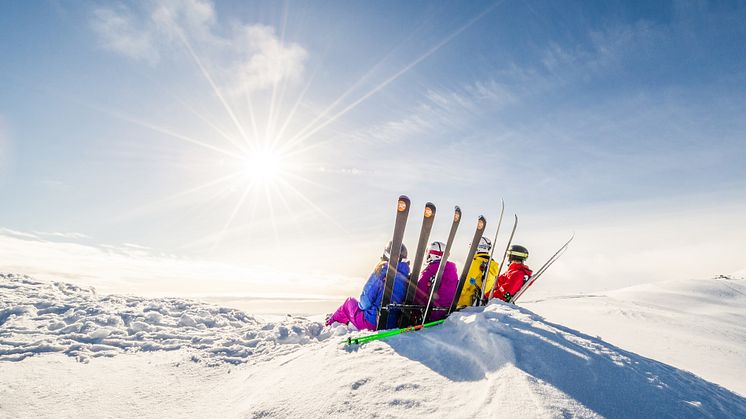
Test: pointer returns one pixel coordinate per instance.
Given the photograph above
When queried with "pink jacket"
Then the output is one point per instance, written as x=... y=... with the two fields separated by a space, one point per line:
x=445 y=294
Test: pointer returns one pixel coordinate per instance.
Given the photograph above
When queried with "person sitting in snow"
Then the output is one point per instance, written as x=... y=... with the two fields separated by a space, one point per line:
x=363 y=314
x=473 y=286
x=448 y=283
x=510 y=282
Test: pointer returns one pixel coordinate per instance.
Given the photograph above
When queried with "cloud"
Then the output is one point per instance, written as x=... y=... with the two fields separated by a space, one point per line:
x=131 y=268
x=442 y=110
x=249 y=57
x=117 y=31
x=268 y=61
x=69 y=236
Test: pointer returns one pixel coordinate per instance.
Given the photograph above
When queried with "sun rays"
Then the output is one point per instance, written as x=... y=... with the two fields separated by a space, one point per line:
x=262 y=149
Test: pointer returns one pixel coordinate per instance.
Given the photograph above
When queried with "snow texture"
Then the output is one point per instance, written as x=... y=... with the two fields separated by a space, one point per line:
x=175 y=358
x=41 y=317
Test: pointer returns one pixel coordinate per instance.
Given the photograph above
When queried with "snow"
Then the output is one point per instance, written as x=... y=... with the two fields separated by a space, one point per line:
x=38 y=316
x=695 y=325
x=67 y=352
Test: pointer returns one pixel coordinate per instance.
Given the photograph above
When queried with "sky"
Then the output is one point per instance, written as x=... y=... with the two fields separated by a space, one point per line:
x=259 y=148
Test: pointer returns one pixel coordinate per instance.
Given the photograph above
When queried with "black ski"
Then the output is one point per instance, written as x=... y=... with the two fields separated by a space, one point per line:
x=427 y=226
x=541 y=270
x=500 y=267
x=492 y=252
x=481 y=224
x=402 y=212
x=442 y=266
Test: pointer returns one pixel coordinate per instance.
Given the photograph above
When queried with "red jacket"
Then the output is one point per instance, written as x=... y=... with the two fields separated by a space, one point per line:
x=510 y=282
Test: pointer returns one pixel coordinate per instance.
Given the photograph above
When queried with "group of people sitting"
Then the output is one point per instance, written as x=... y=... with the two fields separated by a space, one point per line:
x=363 y=313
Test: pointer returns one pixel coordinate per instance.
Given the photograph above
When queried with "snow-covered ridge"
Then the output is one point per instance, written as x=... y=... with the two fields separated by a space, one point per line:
x=40 y=317
x=499 y=360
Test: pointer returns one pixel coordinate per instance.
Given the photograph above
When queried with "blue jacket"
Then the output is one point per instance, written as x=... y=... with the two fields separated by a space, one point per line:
x=370 y=299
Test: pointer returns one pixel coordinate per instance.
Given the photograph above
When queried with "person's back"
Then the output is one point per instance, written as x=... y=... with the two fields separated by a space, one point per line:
x=510 y=282
x=372 y=295
x=363 y=314
x=473 y=284
x=448 y=282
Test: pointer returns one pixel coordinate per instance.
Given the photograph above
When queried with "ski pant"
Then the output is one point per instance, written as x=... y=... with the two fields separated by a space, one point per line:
x=349 y=312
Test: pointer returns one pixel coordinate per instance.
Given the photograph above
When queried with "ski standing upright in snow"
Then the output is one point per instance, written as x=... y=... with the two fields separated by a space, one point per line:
x=442 y=264
x=481 y=224
x=500 y=266
x=541 y=270
x=492 y=252
x=402 y=212
x=427 y=226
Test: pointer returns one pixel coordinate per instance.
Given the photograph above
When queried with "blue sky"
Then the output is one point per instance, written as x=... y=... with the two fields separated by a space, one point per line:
x=145 y=122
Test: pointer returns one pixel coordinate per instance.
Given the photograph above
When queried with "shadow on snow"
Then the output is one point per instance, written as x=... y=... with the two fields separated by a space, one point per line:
x=608 y=380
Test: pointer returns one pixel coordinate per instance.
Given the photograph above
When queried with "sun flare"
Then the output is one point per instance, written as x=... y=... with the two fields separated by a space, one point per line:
x=263 y=166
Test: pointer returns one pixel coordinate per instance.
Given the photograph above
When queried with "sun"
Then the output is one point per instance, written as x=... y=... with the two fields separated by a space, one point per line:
x=263 y=165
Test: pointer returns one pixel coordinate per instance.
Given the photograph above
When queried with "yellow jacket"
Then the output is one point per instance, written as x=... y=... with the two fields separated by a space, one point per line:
x=473 y=281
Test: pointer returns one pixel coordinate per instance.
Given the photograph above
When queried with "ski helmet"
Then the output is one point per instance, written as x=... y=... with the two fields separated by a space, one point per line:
x=484 y=246
x=387 y=251
x=435 y=252
x=517 y=252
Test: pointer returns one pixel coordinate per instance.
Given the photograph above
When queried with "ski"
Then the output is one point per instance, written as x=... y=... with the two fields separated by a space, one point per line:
x=541 y=270
x=492 y=252
x=481 y=224
x=427 y=226
x=500 y=266
x=402 y=212
x=387 y=333
x=442 y=266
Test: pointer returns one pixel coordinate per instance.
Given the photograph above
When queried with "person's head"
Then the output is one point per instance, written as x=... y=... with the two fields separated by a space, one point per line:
x=517 y=253
x=435 y=252
x=484 y=246
x=387 y=252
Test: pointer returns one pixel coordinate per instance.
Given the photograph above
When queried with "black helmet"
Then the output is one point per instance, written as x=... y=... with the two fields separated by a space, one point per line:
x=387 y=251
x=517 y=252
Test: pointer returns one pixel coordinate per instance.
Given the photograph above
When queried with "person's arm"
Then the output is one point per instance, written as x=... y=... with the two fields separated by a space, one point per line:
x=372 y=290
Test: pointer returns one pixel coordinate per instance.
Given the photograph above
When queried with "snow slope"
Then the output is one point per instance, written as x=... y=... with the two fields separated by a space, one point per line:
x=696 y=325
x=499 y=360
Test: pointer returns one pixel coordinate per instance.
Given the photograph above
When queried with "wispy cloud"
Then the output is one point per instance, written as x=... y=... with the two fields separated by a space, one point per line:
x=249 y=57
x=442 y=110
x=66 y=235
x=118 y=31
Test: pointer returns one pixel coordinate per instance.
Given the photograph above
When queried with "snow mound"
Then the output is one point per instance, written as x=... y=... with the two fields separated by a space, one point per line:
x=483 y=362
x=697 y=325
x=41 y=317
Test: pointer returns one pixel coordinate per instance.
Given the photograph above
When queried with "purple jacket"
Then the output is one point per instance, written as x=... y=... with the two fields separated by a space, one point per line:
x=447 y=289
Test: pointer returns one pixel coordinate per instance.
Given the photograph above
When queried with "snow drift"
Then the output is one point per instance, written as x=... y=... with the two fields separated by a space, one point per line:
x=482 y=362
x=38 y=317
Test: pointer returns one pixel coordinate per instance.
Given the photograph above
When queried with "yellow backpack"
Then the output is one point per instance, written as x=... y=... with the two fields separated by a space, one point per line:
x=473 y=282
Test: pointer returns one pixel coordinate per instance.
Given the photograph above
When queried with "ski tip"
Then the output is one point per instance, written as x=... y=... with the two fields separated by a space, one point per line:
x=403 y=203
x=481 y=223
x=429 y=210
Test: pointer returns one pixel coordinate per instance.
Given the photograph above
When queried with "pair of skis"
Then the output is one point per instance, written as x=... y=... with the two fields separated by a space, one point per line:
x=541 y=270
x=402 y=214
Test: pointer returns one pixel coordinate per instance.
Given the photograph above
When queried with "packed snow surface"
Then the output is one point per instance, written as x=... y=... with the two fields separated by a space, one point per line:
x=67 y=352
